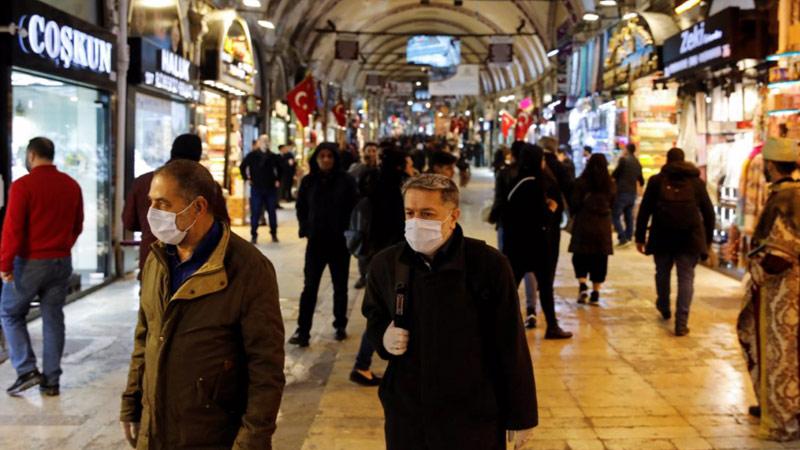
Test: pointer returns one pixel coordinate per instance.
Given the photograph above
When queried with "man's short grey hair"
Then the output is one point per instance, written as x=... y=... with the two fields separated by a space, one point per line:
x=434 y=182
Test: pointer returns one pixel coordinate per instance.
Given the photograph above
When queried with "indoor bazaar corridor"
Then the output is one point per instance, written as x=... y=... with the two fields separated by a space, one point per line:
x=623 y=381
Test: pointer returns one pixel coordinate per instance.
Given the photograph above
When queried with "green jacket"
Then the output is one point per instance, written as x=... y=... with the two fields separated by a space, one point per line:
x=207 y=365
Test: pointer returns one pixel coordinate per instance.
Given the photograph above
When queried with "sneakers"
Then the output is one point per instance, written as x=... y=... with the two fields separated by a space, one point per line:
x=582 y=293
x=25 y=382
x=49 y=391
x=341 y=334
x=594 y=300
x=556 y=333
x=358 y=378
x=298 y=339
x=530 y=321
x=361 y=283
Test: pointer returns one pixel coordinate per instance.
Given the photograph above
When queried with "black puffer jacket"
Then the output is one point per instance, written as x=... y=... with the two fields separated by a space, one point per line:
x=325 y=201
x=591 y=227
x=664 y=237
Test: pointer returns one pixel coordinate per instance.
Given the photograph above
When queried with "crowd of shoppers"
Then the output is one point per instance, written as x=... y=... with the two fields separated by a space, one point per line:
x=210 y=331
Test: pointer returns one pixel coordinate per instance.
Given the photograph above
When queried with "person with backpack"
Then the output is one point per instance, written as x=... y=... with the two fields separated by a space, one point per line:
x=378 y=221
x=681 y=221
x=527 y=217
x=443 y=310
x=590 y=244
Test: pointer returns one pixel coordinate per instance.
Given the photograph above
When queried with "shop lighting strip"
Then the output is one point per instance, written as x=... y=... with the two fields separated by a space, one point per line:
x=779 y=56
x=686 y=6
x=783 y=112
x=783 y=84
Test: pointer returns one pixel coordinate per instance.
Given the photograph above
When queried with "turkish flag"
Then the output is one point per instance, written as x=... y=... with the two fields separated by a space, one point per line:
x=523 y=123
x=340 y=113
x=506 y=122
x=302 y=100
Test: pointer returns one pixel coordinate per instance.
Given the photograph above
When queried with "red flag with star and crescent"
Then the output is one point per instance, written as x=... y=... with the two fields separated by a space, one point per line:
x=340 y=113
x=302 y=100
x=523 y=123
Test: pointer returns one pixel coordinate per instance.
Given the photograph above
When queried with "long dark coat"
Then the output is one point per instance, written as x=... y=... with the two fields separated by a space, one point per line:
x=591 y=227
x=468 y=360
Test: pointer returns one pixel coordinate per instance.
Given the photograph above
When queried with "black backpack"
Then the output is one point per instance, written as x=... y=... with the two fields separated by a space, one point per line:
x=677 y=205
x=357 y=233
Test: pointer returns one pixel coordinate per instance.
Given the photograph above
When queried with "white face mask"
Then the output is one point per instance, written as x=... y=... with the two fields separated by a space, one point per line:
x=164 y=226
x=424 y=236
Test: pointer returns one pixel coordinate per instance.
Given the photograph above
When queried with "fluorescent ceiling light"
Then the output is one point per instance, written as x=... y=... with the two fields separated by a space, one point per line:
x=608 y=2
x=552 y=53
x=155 y=3
x=266 y=24
x=593 y=17
x=686 y=6
x=252 y=3
x=630 y=15
x=419 y=83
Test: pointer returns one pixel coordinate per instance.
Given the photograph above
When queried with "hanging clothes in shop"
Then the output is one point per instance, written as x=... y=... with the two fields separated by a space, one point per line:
x=688 y=138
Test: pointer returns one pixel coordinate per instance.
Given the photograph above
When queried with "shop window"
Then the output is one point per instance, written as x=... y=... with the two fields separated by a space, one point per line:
x=158 y=123
x=77 y=120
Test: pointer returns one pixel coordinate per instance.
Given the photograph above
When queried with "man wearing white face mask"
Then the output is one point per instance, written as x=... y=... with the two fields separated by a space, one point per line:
x=443 y=309
x=207 y=365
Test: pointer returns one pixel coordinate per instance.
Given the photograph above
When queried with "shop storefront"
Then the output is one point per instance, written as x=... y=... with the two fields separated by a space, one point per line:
x=227 y=72
x=162 y=93
x=58 y=77
x=721 y=120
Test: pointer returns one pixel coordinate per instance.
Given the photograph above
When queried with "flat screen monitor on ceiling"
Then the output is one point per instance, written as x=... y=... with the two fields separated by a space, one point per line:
x=434 y=51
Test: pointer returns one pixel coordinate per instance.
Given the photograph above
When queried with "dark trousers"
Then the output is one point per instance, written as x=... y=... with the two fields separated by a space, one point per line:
x=365 y=350
x=363 y=265
x=594 y=267
x=407 y=430
x=544 y=281
x=49 y=280
x=286 y=189
x=321 y=252
x=623 y=206
x=685 y=264
x=260 y=200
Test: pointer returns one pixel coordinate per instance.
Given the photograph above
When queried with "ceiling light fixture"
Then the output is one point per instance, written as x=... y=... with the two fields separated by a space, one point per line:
x=686 y=6
x=608 y=2
x=155 y=3
x=552 y=53
x=419 y=83
x=252 y=3
x=266 y=24
x=409 y=103
x=591 y=17
x=630 y=15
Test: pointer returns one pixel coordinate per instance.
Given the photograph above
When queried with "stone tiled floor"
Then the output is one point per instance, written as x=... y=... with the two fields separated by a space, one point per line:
x=623 y=382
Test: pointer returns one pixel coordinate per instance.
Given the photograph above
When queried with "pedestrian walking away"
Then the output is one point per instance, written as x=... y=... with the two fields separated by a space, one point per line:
x=768 y=329
x=590 y=243
x=288 y=171
x=628 y=177
x=262 y=169
x=458 y=383
x=207 y=363
x=44 y=218
x=325 y=200
x=675 y=224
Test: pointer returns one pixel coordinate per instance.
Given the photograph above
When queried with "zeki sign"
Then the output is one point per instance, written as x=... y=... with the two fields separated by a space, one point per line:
x=713 y=41
x=66 y=46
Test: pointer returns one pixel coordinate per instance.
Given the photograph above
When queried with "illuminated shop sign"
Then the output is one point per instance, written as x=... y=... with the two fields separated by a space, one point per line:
x=66 y=46
x=631 y=54
x=162 y=69
x=228 y=62
x=717 y=40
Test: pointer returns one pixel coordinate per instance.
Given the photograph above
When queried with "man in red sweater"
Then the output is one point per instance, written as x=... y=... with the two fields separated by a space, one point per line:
x=44 y=218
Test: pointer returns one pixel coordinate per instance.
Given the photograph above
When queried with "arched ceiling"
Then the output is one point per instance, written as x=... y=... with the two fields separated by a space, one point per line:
x=298 y=24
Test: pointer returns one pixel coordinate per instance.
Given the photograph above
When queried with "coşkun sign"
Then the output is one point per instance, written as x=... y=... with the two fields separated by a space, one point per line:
x=63 y=44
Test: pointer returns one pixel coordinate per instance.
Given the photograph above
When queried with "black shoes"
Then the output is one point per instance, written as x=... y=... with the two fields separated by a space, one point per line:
x=530 y=321
x=681 y=330
x=556 y=333
x=754 y=411
x=582 y=293
x=594 y=300
x=49 y=391
x=254 y=240
x=361 y=283
x=357 y=378
x=275 y=238
x=341 y=334
x=25 y=382
x=298 y=339
x=666 y=314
